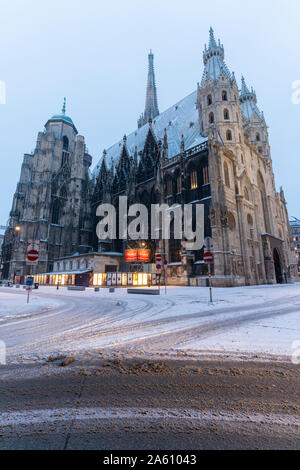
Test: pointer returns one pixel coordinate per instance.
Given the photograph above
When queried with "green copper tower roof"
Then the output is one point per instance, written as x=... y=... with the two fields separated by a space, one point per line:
x=63 y=116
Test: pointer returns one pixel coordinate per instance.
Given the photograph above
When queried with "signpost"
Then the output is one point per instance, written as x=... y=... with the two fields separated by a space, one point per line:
x=208 y=259
x=32 y=259
x=29 y=284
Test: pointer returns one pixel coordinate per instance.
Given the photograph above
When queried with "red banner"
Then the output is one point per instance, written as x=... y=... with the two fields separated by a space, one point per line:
x=144 y=255
x=131 y=255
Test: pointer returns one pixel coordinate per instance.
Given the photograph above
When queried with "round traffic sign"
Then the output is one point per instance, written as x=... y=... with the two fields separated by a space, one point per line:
x=208 y=258
x=158 y=266
x=158 y=257
x=33 y=255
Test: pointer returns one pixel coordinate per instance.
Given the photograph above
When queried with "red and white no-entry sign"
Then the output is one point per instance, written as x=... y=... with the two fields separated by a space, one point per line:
x=158 y=257
x=208 y=258
x=32 y=255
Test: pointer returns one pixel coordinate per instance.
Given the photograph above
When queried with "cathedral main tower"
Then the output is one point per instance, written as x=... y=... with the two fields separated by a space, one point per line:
x=151 y=106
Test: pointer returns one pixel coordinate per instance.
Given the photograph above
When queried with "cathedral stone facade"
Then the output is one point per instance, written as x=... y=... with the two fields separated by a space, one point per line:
x=210 y=148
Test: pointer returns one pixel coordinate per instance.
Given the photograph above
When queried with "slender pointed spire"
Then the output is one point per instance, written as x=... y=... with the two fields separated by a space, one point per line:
x=248 y=102
x=64 y=107
x=151 y=106
x=212 y=41
x=245 y=90
x=213 y=58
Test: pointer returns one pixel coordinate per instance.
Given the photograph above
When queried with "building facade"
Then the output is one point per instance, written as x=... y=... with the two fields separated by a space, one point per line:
x=210 y=148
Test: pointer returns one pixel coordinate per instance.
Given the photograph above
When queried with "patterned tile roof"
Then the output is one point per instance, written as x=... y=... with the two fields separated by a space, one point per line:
x=180 y=119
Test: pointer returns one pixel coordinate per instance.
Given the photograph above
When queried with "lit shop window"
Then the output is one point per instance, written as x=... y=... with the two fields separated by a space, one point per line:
x=98 y=279
x=135 y=279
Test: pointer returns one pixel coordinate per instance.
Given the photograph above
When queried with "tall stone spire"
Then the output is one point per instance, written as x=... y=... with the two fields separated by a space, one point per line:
x=151 y=106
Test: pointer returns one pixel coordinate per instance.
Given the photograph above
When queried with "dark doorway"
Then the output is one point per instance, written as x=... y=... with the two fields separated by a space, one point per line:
x=277 y=265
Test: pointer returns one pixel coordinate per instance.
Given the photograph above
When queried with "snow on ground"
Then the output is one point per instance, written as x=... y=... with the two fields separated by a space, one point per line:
x=14 y=304
x=262 y=320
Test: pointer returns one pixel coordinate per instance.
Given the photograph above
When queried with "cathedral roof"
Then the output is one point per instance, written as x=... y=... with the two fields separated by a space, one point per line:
x=62 y=117
x=180 y=119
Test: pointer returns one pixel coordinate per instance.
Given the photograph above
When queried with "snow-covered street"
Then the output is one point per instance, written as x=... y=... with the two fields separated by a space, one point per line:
x=260 y=322
x=150 y=371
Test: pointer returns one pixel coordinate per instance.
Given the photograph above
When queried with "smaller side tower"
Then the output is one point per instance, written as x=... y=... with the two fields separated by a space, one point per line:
x=254 y=123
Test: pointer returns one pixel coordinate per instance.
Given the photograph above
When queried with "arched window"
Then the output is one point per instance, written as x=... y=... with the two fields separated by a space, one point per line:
x=229 y=135
x=205 y=175
x=257 y=137
x=231 y=221
x=250 y=226
x=55 y=212
x=224 y=95
x=209 y=100
x=65 y=143
x=226 y=114
x=211 y=118
x=226 y=175
x=169 y=187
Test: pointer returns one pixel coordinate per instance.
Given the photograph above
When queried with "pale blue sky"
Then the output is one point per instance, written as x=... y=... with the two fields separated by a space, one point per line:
x=95 y=53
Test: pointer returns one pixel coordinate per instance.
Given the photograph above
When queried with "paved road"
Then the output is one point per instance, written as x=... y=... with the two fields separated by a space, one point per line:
x=126 y=404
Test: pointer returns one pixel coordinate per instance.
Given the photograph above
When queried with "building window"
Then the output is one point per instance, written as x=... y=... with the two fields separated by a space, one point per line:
x=209 y=100
x=55 y=212
x=228 y=135
x=224 y=95
x=65 y=143
x=194 y=182
x=226 y=114
x=246 y=194
x=250 y=225
x=169 y=187
x=205 y=175
x=257 y=137
x=226 y=175
x=211 y=118
x=179 y=184
x=231 y=221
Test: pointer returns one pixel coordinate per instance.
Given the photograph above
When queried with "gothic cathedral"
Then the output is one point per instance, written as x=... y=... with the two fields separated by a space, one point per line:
x=211 y=148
